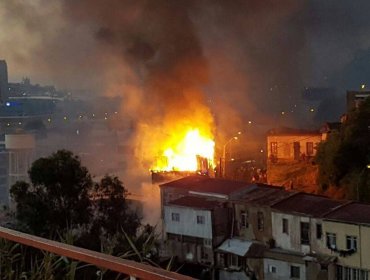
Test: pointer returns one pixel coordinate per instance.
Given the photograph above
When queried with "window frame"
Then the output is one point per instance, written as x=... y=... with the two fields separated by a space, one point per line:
x=293 y=270
x=201 y=220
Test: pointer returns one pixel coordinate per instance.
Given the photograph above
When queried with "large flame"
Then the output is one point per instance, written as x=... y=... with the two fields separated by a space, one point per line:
x=183 y=153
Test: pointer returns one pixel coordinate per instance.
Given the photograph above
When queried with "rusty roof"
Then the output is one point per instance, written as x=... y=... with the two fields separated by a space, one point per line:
x=205 y=184
x=195 y=202
x=307 y=204
x=353 y=212
x=265 y=195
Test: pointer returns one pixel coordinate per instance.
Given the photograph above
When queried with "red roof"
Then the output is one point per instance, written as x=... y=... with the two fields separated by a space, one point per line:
x=205 y=184
x=354 y=212
x=307 y=204
x=195 y=202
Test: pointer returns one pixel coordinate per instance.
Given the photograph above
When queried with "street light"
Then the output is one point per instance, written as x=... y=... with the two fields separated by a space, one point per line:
x=224 y=153
x=359 y=179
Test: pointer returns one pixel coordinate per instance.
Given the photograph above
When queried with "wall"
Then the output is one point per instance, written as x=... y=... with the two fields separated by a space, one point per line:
x=291 y=240
x=282 y=269
x=342 y=230
x=188 y=222
x=251 y=232
x=285 y=149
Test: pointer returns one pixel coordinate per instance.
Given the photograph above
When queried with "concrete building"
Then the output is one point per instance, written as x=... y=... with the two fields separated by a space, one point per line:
x=347 y=237
x=355 y=98
x=291 y=144
x=3 y=81
x=297 y=228
x=17 y=153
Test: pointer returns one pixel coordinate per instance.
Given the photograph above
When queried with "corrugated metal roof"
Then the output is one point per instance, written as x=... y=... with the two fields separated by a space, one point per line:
x=307 y=204
x=265 y=195
x=235 y=246
x=354 y=212
x=195 y=202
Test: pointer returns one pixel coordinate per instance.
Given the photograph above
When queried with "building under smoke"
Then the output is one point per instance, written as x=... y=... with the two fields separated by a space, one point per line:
x=3 y=80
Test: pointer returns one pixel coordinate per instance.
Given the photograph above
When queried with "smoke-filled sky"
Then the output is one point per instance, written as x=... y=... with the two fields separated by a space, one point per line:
x=240 y=57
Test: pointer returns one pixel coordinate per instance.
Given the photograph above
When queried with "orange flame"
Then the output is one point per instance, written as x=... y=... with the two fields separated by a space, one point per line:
x=182 y=154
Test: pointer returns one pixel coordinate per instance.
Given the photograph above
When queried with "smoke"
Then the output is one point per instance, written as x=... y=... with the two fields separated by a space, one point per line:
x=212 y=63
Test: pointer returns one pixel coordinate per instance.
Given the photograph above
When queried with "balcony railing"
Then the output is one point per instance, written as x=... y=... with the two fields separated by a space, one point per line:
x=134 y=269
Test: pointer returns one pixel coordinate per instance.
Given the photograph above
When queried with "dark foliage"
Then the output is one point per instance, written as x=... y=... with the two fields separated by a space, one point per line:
x=344 y=157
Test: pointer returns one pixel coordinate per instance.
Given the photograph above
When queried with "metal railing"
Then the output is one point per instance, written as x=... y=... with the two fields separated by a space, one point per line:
x=134 y=269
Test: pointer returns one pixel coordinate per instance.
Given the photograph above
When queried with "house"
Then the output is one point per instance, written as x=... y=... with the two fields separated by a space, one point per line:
x=287 y=144
x=355 y=98
x=297 y=228
x=196 y=215
x=242 y=254
x=347 y=237
x=290 y=154
x=193 y=226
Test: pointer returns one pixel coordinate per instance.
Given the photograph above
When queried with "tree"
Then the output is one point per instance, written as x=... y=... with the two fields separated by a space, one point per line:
x=343 y=158
x=111 y=207
x=57 y=197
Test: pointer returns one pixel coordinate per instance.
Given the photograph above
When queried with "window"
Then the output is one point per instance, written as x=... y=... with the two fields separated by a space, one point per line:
x=244 y=219
x=272 y=269
x=200 y=220
x=318 y=231
x=273 y=148
x=305 y=233
x=221 y=260
x=285 y=226
x=260 y=221
x=234 y=260
x=331 y=240
x=309 y=148
x=207 y=242
x=295 y=272
x=175 y=217
x=351 y=242
x=349 y=273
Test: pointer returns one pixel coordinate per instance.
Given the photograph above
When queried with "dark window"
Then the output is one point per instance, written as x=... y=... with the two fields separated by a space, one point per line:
x=305 y=233
x=318 y=231
x=273 y=148
x=244 y=219
x=295 y=272
x=331 y=240
x=285 y=226
x=175 y=217
x=200 y=220
x=309 y=148
x=260 y=221
x=351 y=242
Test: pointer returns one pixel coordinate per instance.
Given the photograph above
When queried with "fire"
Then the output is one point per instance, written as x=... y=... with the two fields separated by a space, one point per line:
x=183 y=153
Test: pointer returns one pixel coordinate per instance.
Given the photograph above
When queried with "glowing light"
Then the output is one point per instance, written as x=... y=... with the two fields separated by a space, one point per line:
x=312 y=110
x=7 y=104
x=65 y=118
x=363 y=86
x=49 y=119
x=283 y=113
x=182 y=155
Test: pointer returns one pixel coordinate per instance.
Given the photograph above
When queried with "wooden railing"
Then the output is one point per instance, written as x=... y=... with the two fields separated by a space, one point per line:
x=134 y=269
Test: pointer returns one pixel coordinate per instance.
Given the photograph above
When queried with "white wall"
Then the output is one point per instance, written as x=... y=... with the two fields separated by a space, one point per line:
x=291 y=240
x=282 y=270
x=188 y=222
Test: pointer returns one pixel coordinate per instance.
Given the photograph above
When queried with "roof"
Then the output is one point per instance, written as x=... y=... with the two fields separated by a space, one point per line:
x=354 y=212
x=265 y=195
x=198 y=183
x=241 y=247
x=307 y=204
x=195 y=202
x=291 y=131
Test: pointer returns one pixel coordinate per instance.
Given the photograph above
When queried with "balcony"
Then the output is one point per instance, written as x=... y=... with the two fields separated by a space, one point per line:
x=133 y=269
